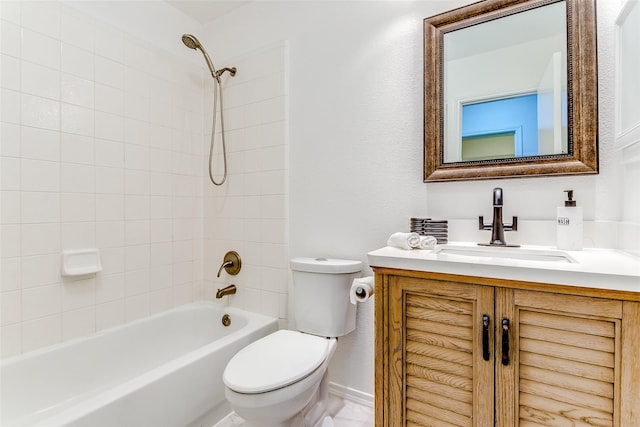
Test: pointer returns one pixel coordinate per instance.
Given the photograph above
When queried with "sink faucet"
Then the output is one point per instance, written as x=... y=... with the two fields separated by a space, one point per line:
x=497 y=227
x=229 y=290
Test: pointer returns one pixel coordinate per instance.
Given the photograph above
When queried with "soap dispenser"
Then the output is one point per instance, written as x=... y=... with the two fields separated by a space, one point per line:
x=569 y=227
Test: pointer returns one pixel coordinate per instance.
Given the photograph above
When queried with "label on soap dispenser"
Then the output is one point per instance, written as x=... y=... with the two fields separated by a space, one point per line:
x=569 y=228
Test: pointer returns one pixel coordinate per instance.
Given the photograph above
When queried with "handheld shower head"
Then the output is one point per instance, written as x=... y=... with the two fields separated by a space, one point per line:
x=192 y=42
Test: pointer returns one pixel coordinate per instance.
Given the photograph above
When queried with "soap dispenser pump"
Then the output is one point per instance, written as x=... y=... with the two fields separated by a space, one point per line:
x=569 y=225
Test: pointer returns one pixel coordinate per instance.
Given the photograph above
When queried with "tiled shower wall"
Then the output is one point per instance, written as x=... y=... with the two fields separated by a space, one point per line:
x=101 y=147
x=250 y=213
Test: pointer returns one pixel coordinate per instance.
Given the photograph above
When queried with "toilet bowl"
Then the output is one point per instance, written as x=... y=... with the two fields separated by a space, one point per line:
x=285 y=387
x=281 y=380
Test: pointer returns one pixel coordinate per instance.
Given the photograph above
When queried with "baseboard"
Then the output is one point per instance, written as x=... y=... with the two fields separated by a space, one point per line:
x=351 y=394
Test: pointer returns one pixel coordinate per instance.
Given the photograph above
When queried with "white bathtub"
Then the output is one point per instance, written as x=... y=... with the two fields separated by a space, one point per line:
x=164 y=370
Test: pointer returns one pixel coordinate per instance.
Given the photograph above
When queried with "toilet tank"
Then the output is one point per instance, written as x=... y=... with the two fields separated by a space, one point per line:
x=321 y=288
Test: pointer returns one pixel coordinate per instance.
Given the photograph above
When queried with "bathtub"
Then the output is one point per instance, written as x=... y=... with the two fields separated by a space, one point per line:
x=164 y=370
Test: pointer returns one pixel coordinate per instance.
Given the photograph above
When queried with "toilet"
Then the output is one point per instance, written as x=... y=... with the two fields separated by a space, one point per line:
x=281 y=380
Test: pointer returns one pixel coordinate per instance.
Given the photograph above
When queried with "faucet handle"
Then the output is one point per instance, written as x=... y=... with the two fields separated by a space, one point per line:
x=231 y=263
x=513 y=226
x=482 y=225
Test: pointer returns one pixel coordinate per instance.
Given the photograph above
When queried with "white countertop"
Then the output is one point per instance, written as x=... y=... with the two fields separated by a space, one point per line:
x=592 y=268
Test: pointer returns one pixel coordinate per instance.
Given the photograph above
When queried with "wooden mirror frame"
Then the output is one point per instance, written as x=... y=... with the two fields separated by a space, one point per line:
x=582 y=94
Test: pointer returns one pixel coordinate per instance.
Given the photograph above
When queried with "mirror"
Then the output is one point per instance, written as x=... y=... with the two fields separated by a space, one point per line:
x=511 y=90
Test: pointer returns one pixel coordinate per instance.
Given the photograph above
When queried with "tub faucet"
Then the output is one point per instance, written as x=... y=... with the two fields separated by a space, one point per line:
x=229 y=290
x=497 y=227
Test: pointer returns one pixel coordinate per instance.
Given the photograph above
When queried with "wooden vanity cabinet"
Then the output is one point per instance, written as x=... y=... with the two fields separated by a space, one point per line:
x=567 y=357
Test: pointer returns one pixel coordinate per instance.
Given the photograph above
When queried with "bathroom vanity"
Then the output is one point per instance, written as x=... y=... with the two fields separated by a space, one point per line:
x=473 y=336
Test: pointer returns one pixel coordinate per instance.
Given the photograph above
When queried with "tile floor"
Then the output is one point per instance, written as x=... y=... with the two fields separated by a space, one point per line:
x=345 y=413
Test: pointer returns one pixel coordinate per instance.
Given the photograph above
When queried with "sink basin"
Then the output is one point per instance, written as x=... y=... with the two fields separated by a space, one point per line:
x=514 y=253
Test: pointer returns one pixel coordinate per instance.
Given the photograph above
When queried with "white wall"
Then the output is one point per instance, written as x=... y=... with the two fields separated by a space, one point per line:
x=355 y=135
x=101 y=147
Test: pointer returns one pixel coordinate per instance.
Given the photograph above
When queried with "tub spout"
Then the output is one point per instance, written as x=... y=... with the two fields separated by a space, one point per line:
x=229 y=290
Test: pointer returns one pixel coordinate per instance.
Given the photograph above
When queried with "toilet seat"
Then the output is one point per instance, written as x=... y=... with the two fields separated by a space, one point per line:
x=275 y=361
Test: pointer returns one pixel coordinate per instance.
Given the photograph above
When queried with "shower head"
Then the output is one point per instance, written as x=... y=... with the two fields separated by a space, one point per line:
x=192 y=42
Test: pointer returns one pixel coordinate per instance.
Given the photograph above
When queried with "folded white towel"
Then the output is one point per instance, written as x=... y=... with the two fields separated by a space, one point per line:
x=428 y=242
x=404 y=240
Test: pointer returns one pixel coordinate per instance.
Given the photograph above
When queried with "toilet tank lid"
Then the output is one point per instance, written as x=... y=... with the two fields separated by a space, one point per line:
x=326 y=265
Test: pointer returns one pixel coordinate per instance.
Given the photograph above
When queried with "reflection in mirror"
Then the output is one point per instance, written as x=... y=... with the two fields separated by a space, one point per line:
x=505 y=89
x=511 y=90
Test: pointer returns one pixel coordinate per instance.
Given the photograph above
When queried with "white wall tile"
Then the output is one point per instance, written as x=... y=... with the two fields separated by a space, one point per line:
x=136 y=307
x=160 y=300
x=109 y=207
x=77 y=91
x=10 y=173
x=11 y=241
x=77 y=29
x=41 y=332
x=136 y=207
x=109 y=180
x=109 y=314
x=10 y=207
x=40 y=144
x=10 y=11
x=78 y=294
x=40 y=270
x=110 y=234
x=136 y=282
x=78 y=323
x=37 y=207
x=10 y=42
x=77 y=120
x=109 y=72
x=109 y=287
x=77 y=149
x=36 y=175
x=10 y=336
x=10 y=134
x=77 y=207
x=39 y=112
x=40 y=49
x=109 y=126
x=10 y=77
x=11 y=106
x=109 y=153
x=77 y=178
x=10 y=308
x=109 y=99
x=78 y=235
x=137 y=232
x=42 y=16
x=10 y=274
x=161 y=277
x=78 y=62
x=38 y=239
x=109 y=42
x=40 y=81
x=40 y=301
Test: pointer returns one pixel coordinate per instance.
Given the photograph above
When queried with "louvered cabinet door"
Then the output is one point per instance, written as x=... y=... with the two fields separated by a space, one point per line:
x=564 y=360
x=437 y=373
